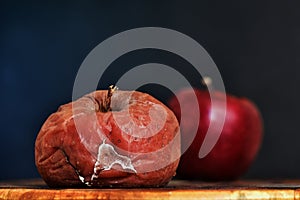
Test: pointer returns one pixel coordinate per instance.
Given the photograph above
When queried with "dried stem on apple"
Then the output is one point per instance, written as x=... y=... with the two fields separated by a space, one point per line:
x=105 y=104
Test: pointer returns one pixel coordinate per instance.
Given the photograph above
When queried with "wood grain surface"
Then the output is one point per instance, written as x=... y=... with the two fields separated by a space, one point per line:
x=176 y=189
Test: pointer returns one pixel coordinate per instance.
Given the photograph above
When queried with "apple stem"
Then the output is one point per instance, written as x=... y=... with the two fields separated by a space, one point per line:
x=105 y=104
x=207 y=81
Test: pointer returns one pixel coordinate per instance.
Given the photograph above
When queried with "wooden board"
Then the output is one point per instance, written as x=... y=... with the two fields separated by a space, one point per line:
x=176 y=189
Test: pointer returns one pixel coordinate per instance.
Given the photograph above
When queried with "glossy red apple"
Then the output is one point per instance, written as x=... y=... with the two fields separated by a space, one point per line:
x=238 y=144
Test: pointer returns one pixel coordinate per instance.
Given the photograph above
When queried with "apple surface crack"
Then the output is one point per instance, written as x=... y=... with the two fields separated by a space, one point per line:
x=81 y=178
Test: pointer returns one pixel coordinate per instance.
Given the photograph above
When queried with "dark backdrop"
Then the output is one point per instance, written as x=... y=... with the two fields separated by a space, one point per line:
x=255 y=44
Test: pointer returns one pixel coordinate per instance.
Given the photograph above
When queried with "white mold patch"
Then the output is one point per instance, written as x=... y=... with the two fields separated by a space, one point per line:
x=108 y=157
x=81 y=178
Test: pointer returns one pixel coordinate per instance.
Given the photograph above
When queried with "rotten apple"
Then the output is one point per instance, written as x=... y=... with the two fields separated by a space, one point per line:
x=109 y=138
x=238 y=142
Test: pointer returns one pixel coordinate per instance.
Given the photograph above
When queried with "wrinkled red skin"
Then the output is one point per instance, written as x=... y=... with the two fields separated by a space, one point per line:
x=62 y=157
x=237 y=145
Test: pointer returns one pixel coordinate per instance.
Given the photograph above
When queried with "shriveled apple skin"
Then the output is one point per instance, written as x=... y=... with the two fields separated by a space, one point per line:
x=67 y=146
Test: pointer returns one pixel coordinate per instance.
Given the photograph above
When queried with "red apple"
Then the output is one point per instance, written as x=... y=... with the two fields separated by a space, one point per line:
x=109 y=139
x=237 y=145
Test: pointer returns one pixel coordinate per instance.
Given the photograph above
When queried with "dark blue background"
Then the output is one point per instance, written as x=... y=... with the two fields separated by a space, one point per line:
x=255 y=44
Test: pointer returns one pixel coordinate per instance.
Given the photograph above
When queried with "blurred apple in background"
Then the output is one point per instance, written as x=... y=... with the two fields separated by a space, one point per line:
x=238 y=144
